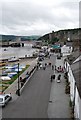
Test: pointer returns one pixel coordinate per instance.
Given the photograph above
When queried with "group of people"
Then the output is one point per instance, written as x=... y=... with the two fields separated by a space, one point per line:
x=57 y=69
x=40 y=66
x=58 y=78
x=60 y=69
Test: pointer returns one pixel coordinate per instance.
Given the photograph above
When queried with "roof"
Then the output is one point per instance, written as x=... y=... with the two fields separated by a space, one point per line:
x=56 y=46
x=3 y=95
x=76 y=69
x=73 y=56
x=69 y=43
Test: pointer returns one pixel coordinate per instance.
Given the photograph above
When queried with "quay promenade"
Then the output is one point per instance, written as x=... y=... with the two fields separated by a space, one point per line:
x=41 y=98
x=59 y=102
x=14 y=86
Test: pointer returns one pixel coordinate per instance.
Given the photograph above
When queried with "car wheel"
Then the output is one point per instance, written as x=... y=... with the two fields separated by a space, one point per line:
x=10 y=98
x=3 y=105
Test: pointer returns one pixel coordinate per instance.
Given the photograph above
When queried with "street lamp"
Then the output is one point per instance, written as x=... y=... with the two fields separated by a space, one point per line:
x=18 y=91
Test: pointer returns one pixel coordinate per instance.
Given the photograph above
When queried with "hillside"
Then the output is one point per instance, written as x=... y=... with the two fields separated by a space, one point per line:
x=33 y=37
x=62 y=35
x=7 y=37
x=14 y=38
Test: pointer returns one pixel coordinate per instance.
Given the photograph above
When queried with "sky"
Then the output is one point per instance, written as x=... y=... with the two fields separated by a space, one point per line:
x=38 y=17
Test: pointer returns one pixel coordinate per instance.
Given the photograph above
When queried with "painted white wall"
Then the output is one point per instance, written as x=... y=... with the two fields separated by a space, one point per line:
x=77 y=104
x=65 y=50
x=71 y=80
x=67 y=66
x=80 y=109
x=79 y=58
x=72 y=83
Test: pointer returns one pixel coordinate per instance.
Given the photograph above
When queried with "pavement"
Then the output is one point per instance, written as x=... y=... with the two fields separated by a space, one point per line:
x=58 y=106
x=59 y=102
x=33 y=102
x=13 y=87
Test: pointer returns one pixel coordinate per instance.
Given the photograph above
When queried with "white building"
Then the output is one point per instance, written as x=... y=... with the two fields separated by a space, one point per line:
x=73 y=67
x=76 y=70
x=66 y=50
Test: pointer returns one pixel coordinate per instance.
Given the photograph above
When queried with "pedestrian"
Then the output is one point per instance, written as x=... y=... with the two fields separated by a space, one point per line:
x=51 y=78
x=54 y=76
x=49 y=56
x=40 y=66
x=37 y=67
x=55 y=68
x=52 y=67
x=59 y=78
x=20 y=79
x=60 y=68
x=44 y=67
x=45 y=64
x=49 y=63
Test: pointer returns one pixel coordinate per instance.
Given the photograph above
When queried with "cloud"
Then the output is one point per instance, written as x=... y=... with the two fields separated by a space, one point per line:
x=38 y=16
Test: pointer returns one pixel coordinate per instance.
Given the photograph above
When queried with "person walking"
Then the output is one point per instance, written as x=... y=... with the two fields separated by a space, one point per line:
x=51 y=78
x=54 y=76
x=45 y=64
x=52 y=67
x=55 y=68
x=59 y=78
x=37 y=67
x=44 y=67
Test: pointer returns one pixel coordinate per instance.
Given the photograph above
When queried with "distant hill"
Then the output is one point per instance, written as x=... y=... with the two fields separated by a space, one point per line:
x=62 y=35
x=14 y=38
x=7 y=37
x=33 y=37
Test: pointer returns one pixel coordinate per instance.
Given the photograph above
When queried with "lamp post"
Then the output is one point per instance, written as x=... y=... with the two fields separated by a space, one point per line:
x=18 y=91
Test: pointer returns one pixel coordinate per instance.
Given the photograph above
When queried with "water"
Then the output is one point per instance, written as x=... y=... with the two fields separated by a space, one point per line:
x=16 y=52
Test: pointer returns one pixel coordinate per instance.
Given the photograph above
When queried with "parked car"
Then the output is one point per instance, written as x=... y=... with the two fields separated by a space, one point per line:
x=4 y=99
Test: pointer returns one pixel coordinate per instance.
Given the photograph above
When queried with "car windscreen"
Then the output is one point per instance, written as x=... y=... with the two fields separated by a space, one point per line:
x=1 y=99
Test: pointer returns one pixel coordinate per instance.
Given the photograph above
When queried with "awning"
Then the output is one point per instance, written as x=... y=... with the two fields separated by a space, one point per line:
x=56 y=46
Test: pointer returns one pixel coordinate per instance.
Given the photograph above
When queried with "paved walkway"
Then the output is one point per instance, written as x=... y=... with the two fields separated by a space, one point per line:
x=13 y=87
x=33 y=102
x=59 y=102
x=58 y=106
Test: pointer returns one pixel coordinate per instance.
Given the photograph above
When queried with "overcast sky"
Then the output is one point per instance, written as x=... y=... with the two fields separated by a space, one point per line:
x=37 y=17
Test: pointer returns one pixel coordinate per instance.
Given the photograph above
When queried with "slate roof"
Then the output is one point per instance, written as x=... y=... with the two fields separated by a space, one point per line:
x=74 y=55
x=69 y=43
x=76 y=69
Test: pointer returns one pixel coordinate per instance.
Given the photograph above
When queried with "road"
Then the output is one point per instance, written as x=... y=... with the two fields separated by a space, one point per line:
x=33 y=102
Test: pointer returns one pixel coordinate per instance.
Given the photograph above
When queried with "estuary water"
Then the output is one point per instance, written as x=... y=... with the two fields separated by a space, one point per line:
x=17 y=52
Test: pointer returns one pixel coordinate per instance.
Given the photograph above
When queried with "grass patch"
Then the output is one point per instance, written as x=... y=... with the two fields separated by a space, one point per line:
x=13 y=78
x=3 y=88
x=16 y=76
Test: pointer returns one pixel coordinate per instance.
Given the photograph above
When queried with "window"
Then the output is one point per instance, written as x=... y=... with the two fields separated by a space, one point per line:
x=1 y=99
x=6 y=97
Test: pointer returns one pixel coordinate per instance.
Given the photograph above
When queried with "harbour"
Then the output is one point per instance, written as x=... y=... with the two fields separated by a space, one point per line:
x=16 y=52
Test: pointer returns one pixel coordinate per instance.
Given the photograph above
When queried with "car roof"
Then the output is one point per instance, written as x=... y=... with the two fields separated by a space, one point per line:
x=3 y=95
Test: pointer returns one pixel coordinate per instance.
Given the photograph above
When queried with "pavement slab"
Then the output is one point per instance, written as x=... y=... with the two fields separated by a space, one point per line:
x=59 y=102
x=41 y=98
